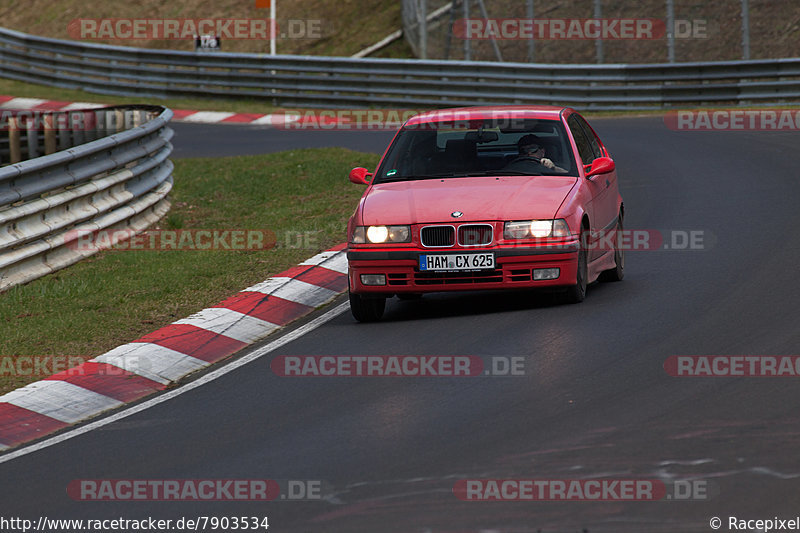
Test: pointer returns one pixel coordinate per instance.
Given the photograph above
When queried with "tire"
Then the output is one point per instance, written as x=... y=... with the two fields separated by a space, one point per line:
x=618 y=272
x=577 y=293
x=367 y=309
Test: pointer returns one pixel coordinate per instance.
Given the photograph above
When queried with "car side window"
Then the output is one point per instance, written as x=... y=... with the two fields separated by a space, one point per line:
x=584 y=147
x=593 y=141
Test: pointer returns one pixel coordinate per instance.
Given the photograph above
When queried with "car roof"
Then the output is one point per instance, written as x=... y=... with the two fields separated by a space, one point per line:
x=500 y=111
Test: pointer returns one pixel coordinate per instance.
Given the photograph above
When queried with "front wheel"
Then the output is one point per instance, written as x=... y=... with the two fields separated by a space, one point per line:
x=367 y=309
x=577 y=293
x=618 y=272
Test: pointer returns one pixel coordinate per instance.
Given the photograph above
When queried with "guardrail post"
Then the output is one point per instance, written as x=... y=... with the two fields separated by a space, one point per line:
x=79 y=124
x=119 y=120
x=130 y=117
x=100 y=125
x=14 y=149
x=33 y=139
x=109 y=128
x=50 y=128
x=92 y=131
x=63 y=138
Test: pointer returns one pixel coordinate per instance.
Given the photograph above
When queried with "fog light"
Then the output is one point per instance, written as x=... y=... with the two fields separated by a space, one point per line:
x=546 y=273
x=373 y=279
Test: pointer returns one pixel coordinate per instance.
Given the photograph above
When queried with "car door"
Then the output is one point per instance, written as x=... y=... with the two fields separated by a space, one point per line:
x=608 y=198
x=603 y=202
x=586 y=156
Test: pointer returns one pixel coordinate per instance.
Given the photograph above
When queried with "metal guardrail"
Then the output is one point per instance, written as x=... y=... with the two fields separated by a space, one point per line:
x=335 y=82
x=112 y=173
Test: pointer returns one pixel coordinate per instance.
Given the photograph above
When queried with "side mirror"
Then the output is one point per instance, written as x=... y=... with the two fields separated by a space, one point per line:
x=601 y=165
x=359 y=175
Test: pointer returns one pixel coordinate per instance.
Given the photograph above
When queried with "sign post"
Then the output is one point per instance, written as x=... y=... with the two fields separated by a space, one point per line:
x=272 y=27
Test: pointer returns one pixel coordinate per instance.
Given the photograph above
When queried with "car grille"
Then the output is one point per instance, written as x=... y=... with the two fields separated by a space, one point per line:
x=437 y=236
x=397 y=279
x=476 y=235
x=449 y=278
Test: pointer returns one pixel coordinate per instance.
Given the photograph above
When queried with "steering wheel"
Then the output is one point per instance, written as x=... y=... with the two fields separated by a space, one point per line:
x=527 y=158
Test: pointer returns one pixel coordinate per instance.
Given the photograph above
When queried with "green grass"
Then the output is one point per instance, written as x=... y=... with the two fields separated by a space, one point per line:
x=117 y=296
x=343 y=26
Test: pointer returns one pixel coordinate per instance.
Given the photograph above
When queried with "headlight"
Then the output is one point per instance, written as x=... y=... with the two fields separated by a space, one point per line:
x=536 y=229
x=377 y=233
x=359 y=235
x=541 y=228
x=381 y=234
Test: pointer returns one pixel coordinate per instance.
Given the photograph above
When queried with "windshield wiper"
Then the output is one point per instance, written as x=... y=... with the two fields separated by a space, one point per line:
x=404 y=178
x=421 y=177
x=511 y=173
x=502 y=172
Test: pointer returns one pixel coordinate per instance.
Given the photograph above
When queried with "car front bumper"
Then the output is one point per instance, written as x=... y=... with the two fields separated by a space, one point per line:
x=513 y=269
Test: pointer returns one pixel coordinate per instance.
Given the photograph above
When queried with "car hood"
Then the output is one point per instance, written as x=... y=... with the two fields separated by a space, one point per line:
x=479 y=198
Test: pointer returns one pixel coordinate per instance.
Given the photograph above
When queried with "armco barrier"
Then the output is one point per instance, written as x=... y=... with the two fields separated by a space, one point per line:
x=112 y=172
x=302 y=81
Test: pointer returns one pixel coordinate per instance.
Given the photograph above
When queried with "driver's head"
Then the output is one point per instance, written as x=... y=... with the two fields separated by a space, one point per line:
x=530 y=145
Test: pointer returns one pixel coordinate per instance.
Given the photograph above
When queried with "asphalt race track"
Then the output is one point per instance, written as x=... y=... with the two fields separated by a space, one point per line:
x=595 y=400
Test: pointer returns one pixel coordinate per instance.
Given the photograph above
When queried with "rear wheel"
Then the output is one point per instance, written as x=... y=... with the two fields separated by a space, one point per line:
x=618 y=272
x=577 y=293
x=367 y=309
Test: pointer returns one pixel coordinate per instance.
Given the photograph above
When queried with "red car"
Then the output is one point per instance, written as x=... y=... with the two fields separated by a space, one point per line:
x=498 y=197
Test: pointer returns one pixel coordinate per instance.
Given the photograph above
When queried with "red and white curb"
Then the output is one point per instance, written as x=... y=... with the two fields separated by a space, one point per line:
x=179 y=115
x=149 y=364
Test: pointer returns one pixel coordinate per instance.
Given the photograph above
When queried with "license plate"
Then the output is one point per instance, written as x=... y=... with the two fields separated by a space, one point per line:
x=455 y=262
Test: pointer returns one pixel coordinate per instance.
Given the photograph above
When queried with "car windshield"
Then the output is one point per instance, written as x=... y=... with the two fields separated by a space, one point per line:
x=484 y=147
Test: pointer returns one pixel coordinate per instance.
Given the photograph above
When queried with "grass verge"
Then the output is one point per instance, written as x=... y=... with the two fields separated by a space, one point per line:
x=117 y=296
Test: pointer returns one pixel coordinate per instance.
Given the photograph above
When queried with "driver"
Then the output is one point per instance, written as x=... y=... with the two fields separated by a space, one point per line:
x=532 y=153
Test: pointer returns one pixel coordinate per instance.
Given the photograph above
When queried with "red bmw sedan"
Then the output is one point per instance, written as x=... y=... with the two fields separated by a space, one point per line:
x=475 y=198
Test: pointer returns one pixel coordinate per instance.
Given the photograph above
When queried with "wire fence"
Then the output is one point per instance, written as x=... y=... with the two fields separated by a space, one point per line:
x=340 y=82
x=687 y=30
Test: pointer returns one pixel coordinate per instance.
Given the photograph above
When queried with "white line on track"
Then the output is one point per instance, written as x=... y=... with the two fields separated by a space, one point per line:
x=211 y=376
